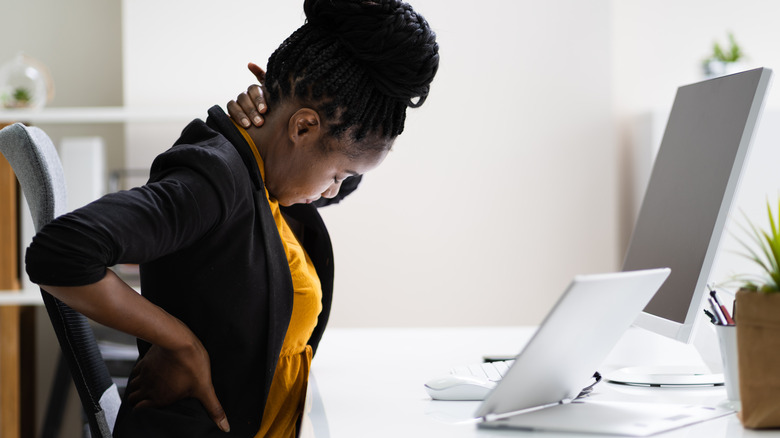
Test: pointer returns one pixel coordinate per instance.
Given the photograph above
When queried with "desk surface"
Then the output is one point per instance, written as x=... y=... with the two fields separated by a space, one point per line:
x=369 y=382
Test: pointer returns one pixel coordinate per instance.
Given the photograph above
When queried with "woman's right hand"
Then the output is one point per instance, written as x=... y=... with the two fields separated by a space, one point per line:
x=164 y=376
x=250 y=105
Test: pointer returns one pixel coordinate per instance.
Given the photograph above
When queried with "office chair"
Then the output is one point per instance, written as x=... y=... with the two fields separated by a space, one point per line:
x=37 y=167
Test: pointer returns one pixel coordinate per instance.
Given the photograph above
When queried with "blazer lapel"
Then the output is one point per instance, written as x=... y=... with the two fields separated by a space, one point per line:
x=280 y=288
x=279 y=282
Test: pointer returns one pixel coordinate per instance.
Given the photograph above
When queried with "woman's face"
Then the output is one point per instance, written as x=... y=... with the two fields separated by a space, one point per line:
x=306 y=174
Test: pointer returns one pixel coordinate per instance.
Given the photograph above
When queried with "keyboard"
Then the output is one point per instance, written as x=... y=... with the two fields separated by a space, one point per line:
x=490 y=371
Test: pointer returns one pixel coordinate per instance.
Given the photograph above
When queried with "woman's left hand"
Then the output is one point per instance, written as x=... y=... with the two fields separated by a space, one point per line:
x=250 y=105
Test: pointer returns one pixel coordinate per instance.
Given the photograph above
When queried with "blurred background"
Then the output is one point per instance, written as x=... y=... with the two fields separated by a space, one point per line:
x=525 y=166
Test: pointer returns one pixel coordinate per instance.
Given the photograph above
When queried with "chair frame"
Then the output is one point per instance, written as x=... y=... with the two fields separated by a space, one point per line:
x=36 y=164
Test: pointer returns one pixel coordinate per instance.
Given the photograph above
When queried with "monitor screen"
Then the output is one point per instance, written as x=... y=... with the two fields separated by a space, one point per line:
x=690 y=192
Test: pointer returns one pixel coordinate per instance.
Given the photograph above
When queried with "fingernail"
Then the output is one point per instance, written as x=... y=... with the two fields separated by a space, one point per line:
x=258 y=120
x=245 y=123
x=223 y=424
x=261 y=107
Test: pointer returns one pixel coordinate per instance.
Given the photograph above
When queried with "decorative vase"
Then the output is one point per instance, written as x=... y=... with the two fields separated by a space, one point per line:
x=714 y=68
x=24 y=83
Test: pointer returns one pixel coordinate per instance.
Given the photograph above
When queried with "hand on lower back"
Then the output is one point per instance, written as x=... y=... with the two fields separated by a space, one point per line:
x=163 y=377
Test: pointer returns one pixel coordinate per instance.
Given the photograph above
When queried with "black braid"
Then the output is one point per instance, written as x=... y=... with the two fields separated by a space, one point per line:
x=360 y=62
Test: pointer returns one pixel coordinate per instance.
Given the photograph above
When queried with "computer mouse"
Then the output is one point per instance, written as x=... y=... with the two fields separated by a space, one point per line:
x=454 y=387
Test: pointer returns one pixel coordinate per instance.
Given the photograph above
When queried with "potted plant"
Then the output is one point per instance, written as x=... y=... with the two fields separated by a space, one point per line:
x=723 y=61
x=757 y=316
x=763 y=248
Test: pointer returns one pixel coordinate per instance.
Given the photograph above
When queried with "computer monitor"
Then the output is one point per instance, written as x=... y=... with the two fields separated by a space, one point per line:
x=690 y=192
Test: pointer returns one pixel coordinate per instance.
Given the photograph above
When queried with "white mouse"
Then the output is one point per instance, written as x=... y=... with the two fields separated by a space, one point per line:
x=454 y=387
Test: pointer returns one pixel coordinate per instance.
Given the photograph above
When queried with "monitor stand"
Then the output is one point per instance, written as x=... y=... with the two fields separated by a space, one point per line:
x=704 y=343
x=666 y=376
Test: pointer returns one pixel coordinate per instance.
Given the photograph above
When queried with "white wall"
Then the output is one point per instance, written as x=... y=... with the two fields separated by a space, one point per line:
x=503 y=185
x=658 y=44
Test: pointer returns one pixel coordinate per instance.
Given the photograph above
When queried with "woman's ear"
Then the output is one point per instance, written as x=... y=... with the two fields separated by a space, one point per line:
x=304 y=126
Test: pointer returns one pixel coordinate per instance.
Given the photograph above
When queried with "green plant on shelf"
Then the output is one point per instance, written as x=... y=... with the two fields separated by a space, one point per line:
x=730 y=55
x=22 y=96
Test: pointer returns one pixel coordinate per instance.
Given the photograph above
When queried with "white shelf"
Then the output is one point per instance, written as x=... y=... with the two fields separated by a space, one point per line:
x=74 y=115
x=30 y=296
x=22 y=297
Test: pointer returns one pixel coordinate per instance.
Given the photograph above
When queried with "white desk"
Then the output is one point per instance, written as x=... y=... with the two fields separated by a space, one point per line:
x=369 y=382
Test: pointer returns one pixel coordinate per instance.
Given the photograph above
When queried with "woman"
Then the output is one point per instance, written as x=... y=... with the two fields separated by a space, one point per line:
x=236 y=263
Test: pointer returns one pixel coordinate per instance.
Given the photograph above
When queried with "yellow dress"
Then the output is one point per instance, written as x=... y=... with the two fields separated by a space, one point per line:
x=288 y=388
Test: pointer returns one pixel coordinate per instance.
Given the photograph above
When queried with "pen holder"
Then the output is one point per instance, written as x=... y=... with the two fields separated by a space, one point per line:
x=727 y=340
x=758 y=347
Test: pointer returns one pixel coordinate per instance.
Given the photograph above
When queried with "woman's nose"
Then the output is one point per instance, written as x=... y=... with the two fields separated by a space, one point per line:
x=332 y=191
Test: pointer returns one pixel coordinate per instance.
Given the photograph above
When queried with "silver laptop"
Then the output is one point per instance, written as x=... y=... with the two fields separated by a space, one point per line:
x=540 y=388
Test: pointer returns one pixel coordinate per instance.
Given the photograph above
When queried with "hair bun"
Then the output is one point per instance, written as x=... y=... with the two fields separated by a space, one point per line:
x=393 y=42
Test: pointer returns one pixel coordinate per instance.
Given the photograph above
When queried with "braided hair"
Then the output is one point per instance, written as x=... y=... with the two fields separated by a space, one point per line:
x=360 y=62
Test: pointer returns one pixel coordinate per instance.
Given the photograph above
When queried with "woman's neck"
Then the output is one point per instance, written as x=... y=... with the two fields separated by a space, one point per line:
x=272 y=134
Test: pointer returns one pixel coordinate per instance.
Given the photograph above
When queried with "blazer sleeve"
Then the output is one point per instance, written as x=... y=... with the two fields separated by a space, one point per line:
x=189 y=192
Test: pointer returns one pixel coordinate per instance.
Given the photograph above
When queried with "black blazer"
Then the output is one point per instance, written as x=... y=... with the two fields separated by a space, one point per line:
x=210 y=254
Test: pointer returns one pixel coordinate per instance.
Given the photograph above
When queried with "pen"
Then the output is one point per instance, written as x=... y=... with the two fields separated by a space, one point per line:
x=720 y=319
x=727 y=317
x=711 y=316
